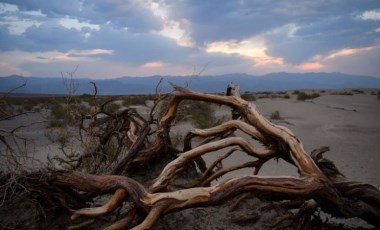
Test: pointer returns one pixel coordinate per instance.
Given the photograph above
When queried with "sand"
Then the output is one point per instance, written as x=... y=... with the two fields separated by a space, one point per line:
x=348 y=124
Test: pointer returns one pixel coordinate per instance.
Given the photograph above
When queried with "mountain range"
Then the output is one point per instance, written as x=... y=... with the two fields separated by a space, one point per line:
x=147 y=85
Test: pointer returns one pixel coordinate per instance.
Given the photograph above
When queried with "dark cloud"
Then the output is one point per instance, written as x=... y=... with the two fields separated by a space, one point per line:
x=363 y=63
x=141 y=48
x=53 y=36
x=291 y=29
x=135 y=48
x=48 y=36
x=50 y=8
x=216 y=20
x=332 y=33
x=323 y=25
x=10 y=42
x=133 y=15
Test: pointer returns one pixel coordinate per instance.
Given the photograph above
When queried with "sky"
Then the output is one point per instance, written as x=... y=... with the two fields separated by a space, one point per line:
x=113 y=38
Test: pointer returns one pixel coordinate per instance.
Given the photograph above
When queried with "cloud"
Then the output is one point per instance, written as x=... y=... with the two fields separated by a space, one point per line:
x=216 y=21
x=171 y=37
x=133 y=14
x=93 y=52
x=71 y=23
x=371 y=15
x=348 y=60
x=321 y=25
x=363 y=62
x=253 y=48
x=154 y=64
x=75 y=56
x=324 y=35
x=7 y=69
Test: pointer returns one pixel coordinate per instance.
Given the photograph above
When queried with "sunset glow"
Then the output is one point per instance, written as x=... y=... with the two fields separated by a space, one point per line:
x=171 y=37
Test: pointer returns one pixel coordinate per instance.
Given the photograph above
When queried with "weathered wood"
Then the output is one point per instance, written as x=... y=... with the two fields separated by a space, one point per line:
x=115 y=201
x=157 y=204
x=278 y=141
x=319 y=183
x=173 y=167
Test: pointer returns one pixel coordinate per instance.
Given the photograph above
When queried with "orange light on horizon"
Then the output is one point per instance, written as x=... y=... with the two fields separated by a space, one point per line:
x=155 y=64
x=311 y=66
x=253 y=48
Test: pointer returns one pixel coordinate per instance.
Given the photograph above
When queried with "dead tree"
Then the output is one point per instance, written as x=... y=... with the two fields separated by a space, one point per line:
x=319 y=183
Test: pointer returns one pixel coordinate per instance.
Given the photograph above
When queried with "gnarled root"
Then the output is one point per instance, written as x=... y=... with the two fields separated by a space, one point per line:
x=116 y=200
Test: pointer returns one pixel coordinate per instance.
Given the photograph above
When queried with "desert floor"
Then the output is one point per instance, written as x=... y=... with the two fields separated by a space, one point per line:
x=348 y=124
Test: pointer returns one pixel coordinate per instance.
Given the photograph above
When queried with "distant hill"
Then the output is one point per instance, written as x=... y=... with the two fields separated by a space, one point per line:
x=147 y=85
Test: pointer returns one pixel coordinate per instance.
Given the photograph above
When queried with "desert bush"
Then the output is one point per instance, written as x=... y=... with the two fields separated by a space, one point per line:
x=112 y=107
x=57 y=135
x=296 y=92
x=276 y=115
x=136 y=100
x=56 y=123
x=286 y=96
x=66 y=114
x=358 y=91
x=15 y=101
x=37 y=109
x=28 y=107
x=86 y=96
x=343 y=93
x=248 y=97
x=97 y=101
x=304 y=96
x=58 y=111
x=267 y=94
x=202 y=114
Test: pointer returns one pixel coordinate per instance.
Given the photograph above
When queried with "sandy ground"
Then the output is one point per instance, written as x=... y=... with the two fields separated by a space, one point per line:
x=348 y=124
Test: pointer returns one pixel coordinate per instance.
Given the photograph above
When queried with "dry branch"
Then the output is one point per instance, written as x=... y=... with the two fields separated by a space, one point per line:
x=319 y=183
x=160 y=203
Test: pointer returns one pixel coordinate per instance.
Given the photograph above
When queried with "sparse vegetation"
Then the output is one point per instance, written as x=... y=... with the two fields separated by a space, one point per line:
x=248 y=96
x=119 y=147
x=136 y=100
x=275 y=115
x=202 y=114
x=271 y=95
x=358 y=91
x=304 y=96
x=346 y=93
x=112 y=107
